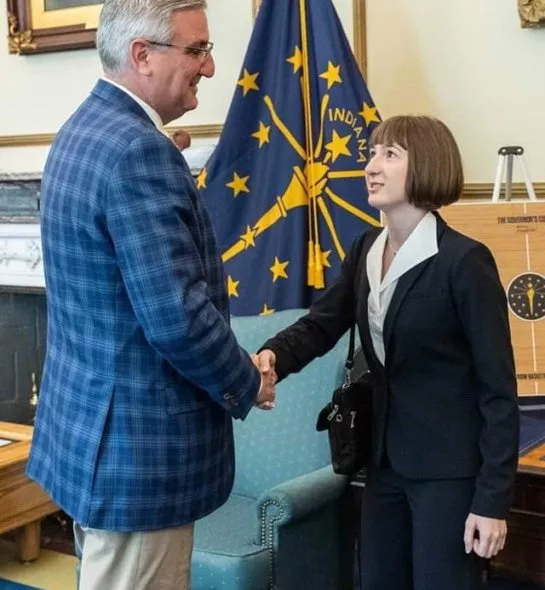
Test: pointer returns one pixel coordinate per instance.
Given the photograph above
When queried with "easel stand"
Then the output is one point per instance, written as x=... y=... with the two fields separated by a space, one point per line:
x=509 y=153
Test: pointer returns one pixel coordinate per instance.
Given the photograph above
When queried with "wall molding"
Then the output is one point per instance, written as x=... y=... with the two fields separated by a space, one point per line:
x=44 y=139
x=483 y=190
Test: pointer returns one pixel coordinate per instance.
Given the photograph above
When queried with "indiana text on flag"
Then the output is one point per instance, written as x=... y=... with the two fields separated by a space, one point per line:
x=285 y=186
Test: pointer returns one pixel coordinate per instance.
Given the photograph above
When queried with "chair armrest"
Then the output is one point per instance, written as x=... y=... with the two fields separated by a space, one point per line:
x=295 y=499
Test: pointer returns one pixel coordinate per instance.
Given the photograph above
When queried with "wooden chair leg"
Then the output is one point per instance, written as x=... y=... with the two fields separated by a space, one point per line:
x=28 y=542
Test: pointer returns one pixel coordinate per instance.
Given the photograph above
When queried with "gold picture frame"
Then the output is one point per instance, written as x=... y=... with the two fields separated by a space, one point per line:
x=532 y=13
x=32 y=28
x=359 y=32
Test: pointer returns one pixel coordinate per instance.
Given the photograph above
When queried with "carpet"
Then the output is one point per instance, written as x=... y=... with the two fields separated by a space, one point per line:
x=7 y=585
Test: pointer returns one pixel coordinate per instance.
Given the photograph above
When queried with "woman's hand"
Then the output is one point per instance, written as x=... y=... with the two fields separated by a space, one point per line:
x=485 y=536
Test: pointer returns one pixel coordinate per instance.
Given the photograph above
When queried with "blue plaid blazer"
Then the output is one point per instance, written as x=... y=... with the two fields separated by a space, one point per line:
x=143 y=374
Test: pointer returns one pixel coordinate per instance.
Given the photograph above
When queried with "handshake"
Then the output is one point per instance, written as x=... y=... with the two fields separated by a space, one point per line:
x=265 y=362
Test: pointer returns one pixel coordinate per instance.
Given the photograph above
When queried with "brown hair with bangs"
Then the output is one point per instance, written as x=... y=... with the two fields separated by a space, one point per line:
x=435 y=175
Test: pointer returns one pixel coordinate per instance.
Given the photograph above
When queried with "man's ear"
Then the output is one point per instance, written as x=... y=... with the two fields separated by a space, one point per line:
x=139 y=53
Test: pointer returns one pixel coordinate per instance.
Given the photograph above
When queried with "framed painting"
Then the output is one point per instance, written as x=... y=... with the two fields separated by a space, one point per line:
x=532 y=13
x=40 y=26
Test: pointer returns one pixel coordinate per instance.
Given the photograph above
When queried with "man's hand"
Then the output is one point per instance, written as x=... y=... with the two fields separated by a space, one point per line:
x=267 y=394
x=484 y=536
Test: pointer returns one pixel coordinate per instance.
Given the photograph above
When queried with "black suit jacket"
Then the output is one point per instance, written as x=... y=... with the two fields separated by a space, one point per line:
x=445 y=400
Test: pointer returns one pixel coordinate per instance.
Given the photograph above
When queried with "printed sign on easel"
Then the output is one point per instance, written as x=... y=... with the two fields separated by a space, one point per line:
x=515 y=233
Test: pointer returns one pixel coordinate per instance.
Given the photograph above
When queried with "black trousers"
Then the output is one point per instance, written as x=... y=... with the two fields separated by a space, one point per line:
x=412 y=534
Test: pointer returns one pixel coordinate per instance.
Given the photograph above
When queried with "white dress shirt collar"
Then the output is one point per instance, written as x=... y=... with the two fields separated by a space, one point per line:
x=419 y=246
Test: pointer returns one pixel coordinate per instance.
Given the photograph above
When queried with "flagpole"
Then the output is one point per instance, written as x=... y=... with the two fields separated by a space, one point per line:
x=315 y=274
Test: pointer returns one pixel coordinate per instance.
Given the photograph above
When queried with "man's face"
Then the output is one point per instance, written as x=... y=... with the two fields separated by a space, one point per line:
x=176 y=71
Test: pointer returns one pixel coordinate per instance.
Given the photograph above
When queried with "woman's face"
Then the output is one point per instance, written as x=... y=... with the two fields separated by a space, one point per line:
x=386 y=176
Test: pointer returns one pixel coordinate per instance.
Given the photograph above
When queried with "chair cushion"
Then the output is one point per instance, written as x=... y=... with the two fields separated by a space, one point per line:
x=225 y=555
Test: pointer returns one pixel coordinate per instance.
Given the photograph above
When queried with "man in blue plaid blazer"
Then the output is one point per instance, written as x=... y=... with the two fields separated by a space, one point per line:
x=143 y=374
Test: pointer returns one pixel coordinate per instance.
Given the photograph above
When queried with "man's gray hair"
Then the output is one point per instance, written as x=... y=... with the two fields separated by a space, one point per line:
x=122 y=21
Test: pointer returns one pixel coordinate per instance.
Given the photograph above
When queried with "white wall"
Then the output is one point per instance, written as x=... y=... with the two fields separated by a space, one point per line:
x=40 y=91
x=469 y=63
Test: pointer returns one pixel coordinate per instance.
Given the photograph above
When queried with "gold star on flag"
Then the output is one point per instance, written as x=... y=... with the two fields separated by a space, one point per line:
x=325 y=258
x=369 y=114
x=266 y=310
x=248 y=237
x=248 y=82
x=262 y=134
x=278 y=269
x=332 y=75
x=232 y=287
x=338 y=146
x=238 y=184
x=201 y=179
x=296 y=60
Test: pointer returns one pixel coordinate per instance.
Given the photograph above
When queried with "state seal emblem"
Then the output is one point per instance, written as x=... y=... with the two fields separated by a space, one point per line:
x=526 y=296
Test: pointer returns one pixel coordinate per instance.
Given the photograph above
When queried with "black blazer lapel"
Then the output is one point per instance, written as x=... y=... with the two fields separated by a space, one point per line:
x=404 y=284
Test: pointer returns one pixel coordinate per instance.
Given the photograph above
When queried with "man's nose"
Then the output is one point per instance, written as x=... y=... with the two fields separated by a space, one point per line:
x=208 y=68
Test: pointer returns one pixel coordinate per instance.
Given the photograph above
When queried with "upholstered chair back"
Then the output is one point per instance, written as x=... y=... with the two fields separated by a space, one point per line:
x=279 y=445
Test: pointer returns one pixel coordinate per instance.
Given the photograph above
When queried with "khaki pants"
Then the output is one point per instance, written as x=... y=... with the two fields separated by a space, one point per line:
x=154 y=560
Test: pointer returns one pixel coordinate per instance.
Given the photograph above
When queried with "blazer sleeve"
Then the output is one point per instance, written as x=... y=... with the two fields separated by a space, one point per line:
x=482 y=306
x=328 y=319
x=153 y=224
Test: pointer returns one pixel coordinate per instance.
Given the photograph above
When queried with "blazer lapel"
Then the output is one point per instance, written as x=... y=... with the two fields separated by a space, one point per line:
x=404 y=284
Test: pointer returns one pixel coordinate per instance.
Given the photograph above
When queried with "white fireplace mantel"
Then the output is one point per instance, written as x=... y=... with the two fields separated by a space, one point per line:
x=21 y=263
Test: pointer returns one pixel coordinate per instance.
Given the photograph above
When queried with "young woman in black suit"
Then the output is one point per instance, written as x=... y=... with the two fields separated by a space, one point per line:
x=432 y=318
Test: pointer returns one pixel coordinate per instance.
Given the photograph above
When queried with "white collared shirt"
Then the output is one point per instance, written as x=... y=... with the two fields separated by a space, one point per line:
x=419 y=246
x=150 y=111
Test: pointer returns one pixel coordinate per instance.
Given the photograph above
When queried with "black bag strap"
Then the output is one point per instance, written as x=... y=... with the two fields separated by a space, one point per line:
x=366 y=243
x=349 y=365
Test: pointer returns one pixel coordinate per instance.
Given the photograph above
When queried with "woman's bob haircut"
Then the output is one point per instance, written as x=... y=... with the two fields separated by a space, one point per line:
x=435 y=175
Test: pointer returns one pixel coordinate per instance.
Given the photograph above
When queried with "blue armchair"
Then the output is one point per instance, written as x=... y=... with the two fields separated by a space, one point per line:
x=280 y=527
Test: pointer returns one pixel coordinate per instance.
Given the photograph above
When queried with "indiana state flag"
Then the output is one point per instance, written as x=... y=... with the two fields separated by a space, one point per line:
x=285 y=186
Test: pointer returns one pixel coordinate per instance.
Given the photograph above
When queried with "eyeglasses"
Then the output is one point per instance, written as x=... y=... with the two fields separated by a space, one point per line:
x=201 y=52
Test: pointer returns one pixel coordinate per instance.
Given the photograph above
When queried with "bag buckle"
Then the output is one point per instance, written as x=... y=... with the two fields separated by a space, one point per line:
x=333 y=412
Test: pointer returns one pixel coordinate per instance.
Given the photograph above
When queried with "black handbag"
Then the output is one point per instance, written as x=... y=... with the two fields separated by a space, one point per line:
x=348 y=418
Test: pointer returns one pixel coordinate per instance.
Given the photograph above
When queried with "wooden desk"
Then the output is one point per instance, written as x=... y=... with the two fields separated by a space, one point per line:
x=523 y=558
x=23 y=503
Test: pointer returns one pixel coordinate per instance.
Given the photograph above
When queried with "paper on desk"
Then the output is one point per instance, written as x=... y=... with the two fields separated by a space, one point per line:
x=4 y=442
